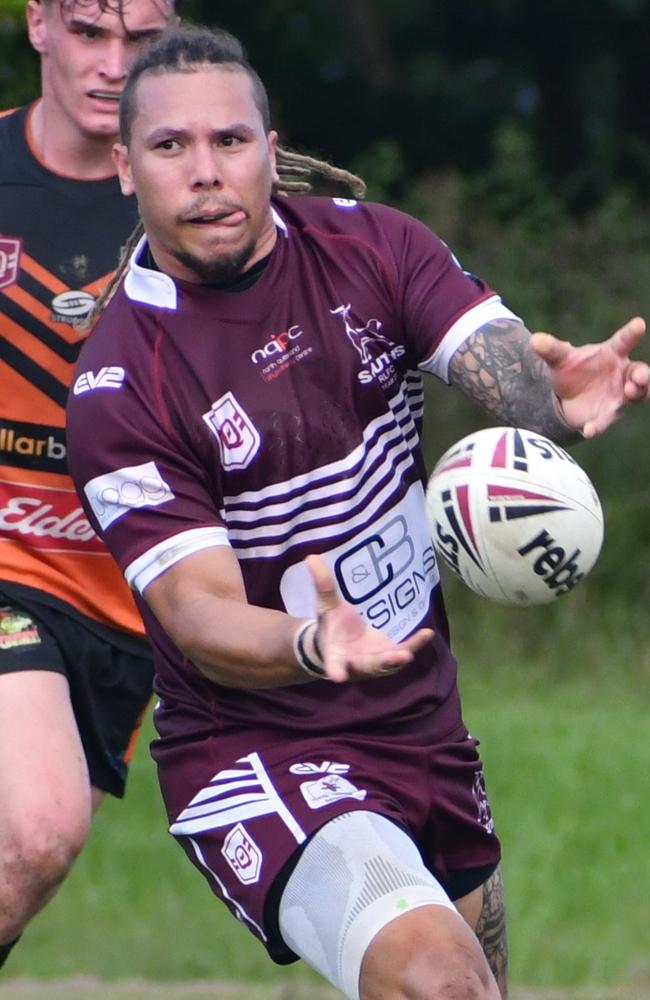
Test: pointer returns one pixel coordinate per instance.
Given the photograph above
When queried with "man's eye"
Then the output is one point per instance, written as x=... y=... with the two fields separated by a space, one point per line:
x=230 y=140
x=138 y=41
x=89 y=32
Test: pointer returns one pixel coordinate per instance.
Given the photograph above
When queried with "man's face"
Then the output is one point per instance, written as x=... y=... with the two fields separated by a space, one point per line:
x=201 y=166
x=87 y=48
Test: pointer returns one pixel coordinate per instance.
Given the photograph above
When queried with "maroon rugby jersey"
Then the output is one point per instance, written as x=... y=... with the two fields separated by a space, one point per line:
x=283 y=419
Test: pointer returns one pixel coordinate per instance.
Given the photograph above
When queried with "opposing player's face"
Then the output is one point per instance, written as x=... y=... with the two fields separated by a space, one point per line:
x=202 y=167
x=86 y=53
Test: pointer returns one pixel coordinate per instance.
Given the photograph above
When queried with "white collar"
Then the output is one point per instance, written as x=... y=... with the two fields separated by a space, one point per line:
x=155 y=288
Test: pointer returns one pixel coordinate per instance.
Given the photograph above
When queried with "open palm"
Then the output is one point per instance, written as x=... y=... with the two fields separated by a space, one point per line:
x=596 y=381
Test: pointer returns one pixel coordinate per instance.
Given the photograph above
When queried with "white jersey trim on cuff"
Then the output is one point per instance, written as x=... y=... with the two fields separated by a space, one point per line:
x=151 y=564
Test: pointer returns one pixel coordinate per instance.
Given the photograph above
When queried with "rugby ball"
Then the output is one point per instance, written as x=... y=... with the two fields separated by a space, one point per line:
x=514 y=516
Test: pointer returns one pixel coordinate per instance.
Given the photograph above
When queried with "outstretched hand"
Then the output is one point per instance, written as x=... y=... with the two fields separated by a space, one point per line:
x=350 y=648
x=595 y=382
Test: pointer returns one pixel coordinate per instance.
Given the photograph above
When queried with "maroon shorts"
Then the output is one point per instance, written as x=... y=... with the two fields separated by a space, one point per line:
x=243 y=804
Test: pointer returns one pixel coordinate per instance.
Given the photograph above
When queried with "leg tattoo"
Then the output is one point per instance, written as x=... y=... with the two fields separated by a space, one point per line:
x=491 y=930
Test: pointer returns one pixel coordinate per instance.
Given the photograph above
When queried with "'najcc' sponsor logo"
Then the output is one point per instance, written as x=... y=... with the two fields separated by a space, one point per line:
x=280 y=352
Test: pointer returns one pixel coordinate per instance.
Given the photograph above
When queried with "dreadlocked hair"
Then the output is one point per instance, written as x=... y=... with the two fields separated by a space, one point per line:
x=299 y=173
x=182 y=50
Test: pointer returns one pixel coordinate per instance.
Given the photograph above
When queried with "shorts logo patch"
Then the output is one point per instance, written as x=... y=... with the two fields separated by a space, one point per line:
x=329 y=789
x=238 y=438
x=482 y=805
x=9 y=261
x=17 y=629
x=243 y=855
x=327 y=767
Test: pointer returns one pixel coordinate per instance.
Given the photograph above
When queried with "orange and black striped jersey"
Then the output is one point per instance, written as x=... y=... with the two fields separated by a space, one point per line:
x=59 y=243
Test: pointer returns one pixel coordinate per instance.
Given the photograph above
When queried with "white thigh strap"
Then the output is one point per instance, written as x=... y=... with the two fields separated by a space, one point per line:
x=359 y=872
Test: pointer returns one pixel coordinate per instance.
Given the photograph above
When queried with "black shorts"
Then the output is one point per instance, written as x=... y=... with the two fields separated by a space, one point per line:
x=110 y=686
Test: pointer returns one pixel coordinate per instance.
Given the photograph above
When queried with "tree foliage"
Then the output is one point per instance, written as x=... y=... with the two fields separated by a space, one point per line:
x=403 y=88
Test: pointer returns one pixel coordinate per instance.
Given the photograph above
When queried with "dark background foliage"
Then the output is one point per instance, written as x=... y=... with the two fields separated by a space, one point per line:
x=414 y=86
x=518 y=129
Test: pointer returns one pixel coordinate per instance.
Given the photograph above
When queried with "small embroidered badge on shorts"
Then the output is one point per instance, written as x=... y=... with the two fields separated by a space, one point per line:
x=243 y=855
x=17 y=629
x=329 y=789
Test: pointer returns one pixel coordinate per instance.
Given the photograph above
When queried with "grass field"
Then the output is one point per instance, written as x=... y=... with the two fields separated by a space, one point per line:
x=82 y=988
x=560 y=701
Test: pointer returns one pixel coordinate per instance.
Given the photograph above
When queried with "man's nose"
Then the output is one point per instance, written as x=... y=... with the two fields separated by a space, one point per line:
x=114 y=62
x=206 y=170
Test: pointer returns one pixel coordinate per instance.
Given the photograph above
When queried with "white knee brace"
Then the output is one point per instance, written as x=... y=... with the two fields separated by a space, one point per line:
x=359 y=872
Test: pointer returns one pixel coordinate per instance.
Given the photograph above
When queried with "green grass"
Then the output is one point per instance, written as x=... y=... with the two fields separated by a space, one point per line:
x=559 y=698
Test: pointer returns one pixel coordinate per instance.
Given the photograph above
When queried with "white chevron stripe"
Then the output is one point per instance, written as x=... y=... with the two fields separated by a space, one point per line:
x=382 y=428
x=213 y=791
x=329 y=531
x=216 y=812
x=397 y=458
x=217 y=821
x=213 y=807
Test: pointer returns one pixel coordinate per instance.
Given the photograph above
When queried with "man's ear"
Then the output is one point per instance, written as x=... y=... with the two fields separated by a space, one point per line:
x=273 y=146
x=37 y=25
x=122 y=163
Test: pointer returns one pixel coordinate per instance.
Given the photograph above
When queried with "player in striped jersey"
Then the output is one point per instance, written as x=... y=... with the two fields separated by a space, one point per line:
x=255 y=468
x=75 y=668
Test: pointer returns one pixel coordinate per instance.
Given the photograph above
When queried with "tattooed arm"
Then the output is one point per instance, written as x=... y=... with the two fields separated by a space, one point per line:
x=497 y=369
x=546 y=384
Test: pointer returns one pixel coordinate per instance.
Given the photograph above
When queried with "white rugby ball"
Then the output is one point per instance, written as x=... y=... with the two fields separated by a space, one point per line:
x=514 y=516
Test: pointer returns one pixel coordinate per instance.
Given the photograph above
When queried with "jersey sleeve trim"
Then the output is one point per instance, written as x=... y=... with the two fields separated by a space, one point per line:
x=467 y=324
x=151 y=564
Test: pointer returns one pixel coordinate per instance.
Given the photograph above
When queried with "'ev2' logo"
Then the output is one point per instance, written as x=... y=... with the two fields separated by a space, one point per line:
x=108 y=377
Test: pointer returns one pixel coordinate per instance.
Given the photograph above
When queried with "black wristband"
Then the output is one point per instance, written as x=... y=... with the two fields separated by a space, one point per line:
x=310 y=665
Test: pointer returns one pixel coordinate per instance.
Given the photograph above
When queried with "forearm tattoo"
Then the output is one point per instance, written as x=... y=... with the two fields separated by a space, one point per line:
x=491 y=930
x=498 y=370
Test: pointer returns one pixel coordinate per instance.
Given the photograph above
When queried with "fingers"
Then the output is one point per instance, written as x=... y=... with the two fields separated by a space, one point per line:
x=637 y=383
x=553 y=351
x=324 y=582
x=549 y=348
x=351 y=648
x=628 y=336
x=418 y=640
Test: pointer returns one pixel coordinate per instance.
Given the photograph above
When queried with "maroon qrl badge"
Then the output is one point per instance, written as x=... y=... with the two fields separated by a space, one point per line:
x=9 y=260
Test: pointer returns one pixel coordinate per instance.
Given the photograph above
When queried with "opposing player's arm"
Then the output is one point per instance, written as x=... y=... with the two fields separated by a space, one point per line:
x=497 y=369
x=201 y=603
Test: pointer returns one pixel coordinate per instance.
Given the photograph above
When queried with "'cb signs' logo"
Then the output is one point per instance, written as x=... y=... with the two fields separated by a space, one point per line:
x=9 y=259
x=238 y=438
